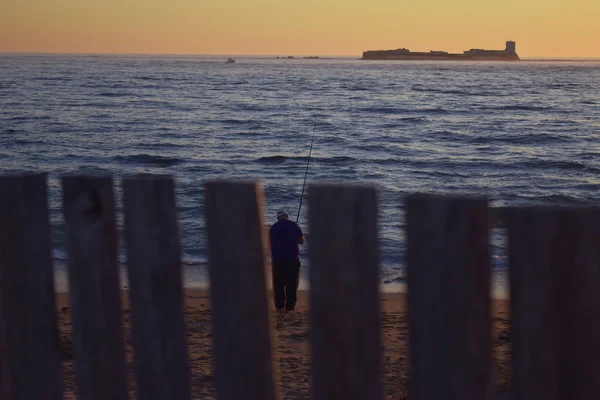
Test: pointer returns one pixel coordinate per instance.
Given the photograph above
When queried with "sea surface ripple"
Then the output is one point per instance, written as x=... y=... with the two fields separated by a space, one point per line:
x=519 y=133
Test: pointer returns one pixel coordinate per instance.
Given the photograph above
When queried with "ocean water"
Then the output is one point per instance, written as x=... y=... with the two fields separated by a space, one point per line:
x=519 y=133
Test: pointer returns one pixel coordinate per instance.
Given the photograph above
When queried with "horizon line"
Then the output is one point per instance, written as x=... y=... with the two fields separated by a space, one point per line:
x=180 y=54
x=530 y=58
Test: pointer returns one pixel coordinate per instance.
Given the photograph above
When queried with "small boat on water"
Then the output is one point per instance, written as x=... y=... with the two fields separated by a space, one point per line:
x=230 y=61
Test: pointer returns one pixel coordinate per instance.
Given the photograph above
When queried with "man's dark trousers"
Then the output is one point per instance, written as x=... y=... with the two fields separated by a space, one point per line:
x=285 y=283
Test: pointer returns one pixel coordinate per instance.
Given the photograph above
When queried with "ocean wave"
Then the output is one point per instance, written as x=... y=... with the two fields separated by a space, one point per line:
x=233 y=121
x=518 y=107
x=589 y=156
x=386 y=161
x=417 y=88
x=188 y=262
x=148 y=159
x=449 y=174
x=335 y=160
x=198 y=169
x=445 y=135
x=382 y=110
x=29 y=118
x=413 y=119
x=52 y=78
x=429 y=110
x=588 y=187
x=532 y=138
x=402 y=122
x=358 y=89
x=558 y=164
x=565 y=86
x=371 y=147
x=448 y=165
x=249 y=107
x=392 y=110
x=9 y=131
x=472 y=91
x=20 y=142
x=148 y=78
x=397 y=279
x=114 y=94
x=563 y=200
x=279 y=159
x=150 y=86
x=163 y=145
x=274 y=159
x=88 y=170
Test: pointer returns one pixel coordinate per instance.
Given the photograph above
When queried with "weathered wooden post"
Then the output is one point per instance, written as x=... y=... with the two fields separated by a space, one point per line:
x=91 y=241
x=241 y=330
x=27 y=294
x=155 y=288
x=344 y=279
x=4 y=374
x=554 y=258
x=448 y=259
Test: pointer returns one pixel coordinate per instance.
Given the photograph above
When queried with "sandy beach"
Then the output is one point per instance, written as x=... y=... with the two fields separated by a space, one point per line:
x=292 y=347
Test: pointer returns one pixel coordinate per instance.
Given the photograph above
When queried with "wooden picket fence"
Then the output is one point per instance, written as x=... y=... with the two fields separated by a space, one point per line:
x=554 y=288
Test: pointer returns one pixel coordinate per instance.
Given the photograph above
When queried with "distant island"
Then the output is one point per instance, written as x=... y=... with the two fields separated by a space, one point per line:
x=508 y=54
x=304 y=58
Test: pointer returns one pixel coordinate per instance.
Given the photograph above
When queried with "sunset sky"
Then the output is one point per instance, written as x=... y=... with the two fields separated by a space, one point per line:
x=541 y=28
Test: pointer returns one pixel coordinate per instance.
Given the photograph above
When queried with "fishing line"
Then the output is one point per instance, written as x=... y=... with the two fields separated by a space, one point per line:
x=307 y=165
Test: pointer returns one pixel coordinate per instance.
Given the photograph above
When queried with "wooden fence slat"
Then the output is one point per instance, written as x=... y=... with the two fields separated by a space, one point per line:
x=554 y=259
x=344 y=278
x=91 y=241
x=155 y=288
x=27 y=293
x=4 y=376
x=241 y=330
x=448 y=260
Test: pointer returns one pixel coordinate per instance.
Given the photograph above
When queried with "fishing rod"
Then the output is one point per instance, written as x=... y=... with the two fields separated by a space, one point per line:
x=307 y=165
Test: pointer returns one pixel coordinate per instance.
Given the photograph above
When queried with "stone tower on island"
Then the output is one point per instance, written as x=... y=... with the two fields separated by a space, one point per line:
x=511 y=47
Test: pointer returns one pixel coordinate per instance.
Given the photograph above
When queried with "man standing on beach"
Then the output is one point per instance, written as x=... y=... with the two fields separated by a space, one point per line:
x=284 y=237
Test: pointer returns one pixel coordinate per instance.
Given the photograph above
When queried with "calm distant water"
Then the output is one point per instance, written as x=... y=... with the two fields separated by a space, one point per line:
x=520 y=133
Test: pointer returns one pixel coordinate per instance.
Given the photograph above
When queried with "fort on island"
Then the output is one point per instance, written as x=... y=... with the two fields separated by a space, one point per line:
x=508 y=54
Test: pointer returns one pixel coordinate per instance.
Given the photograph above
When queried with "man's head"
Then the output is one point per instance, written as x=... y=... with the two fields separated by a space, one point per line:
x=282 y=214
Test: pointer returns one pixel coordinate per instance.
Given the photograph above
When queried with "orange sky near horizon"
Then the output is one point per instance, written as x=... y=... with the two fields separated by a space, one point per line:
x=541 y=28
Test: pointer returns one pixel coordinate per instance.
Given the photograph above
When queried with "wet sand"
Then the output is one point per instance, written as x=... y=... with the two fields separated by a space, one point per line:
x=291 y=347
